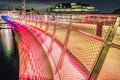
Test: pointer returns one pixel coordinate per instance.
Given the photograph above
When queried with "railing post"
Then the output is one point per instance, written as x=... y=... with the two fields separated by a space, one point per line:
x=60 y=62
x=25 y=19
x=37 y=21
x=42 y=21
x=103 y=53
x=99 y=29
x=30 y=20
x=53 y=38
x=47 y=26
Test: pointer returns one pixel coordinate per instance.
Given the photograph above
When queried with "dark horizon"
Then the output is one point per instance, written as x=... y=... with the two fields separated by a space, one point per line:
x=42 y=5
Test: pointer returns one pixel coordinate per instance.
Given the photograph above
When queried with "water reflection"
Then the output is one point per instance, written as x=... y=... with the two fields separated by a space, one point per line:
x=7 y=40
x=8 y=55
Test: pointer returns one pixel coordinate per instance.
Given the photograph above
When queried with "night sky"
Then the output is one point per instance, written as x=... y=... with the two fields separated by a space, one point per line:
x=104 y=6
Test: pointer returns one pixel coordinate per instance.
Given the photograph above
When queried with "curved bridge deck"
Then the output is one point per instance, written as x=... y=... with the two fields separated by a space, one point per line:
x=62 y=49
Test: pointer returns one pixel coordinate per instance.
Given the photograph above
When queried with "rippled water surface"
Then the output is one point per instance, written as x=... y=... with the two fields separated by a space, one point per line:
x=8 y=54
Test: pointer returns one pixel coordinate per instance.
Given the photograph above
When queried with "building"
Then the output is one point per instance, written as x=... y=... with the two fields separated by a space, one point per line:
x=117 y=11
x=72 y=8
x=31 y=12
x=10 y=12
x=16 y=12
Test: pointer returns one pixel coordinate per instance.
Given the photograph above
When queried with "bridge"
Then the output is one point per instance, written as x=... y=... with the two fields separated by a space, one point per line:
x=67 y=46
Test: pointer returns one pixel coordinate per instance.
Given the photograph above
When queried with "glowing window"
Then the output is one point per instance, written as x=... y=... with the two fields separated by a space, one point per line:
x=68 y=10
x=56 y=6
x=90 y=7
x=56 y=9
x=62 y=9
x=78 y=9
x=73 y=3
x=76 y=6
x=60 y=4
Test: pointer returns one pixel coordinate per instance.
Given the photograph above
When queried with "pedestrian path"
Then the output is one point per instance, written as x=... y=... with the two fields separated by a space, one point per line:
x=33 y=64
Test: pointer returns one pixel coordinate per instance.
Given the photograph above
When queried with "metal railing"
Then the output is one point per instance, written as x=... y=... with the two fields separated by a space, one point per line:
x=85 y=42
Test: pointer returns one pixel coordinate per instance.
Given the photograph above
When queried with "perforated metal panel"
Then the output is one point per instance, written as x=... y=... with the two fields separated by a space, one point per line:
x=84 y=48
x=111 y=67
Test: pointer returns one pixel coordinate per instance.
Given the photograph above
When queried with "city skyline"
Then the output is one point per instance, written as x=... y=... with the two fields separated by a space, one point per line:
x=42 y=5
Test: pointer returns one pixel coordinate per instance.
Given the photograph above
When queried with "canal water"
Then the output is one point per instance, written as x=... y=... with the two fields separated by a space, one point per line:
x=9 y=61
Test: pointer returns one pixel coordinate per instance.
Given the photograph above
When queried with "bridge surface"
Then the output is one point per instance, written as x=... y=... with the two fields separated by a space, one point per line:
x=67 y=47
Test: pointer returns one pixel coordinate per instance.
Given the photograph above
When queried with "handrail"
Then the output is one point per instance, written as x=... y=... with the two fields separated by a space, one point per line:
x=101 y=40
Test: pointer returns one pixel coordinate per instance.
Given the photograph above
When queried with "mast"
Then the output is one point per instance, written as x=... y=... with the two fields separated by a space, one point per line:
x=23 y=8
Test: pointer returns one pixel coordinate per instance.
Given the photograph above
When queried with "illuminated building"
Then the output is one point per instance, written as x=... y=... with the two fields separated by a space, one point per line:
x=72 y=8
x=16 y=11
